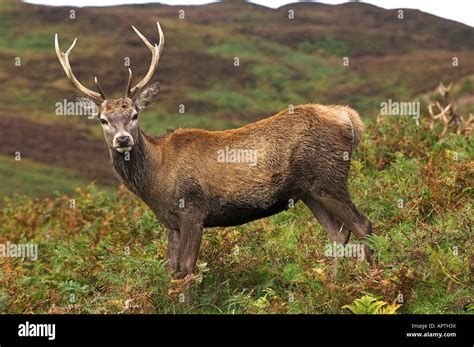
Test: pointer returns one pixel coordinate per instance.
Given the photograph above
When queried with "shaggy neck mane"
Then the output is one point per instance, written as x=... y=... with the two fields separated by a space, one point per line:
x=134 y=172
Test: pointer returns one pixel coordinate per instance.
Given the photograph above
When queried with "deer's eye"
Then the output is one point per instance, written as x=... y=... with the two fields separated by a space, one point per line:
x=103 y=121
x=135 y=117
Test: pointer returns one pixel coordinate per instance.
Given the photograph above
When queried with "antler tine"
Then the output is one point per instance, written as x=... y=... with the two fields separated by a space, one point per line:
x=442 y=89
x=155 y=57
x=64 y=60
x=144 y=39
x=430 y=109
x=129 y=83
x=432 y=116
x=445 y=119
x=444 y=112
x=441 y=115
x=448 y=88
x=101 y=91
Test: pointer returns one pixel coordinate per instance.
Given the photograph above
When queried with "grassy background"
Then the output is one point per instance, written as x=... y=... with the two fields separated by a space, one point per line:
x=27 y=177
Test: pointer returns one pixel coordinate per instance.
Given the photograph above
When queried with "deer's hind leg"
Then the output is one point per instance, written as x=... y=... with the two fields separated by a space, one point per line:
x=336 y=230
x=339 y=207
x=342 y=208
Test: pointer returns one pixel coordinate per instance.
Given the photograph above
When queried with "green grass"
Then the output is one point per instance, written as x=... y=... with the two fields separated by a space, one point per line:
x=158 y=121
x=27 y=177
x=227 y=100
x=25 y=99
x=36 y=41
x=108 y=253
x=243 y=50
x=325 y=44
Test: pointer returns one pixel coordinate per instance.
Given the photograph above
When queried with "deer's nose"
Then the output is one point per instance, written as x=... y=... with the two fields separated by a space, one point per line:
x=122 y=140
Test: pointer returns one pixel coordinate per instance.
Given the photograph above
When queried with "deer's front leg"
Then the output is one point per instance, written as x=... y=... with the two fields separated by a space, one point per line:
x=173 y=250
x=189 y=243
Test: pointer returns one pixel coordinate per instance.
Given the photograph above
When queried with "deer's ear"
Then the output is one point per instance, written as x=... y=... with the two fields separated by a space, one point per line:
x=147 y=96
x=87 y=106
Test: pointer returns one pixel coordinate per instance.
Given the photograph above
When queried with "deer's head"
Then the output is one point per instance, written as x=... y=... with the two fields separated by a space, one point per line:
x=118 y=117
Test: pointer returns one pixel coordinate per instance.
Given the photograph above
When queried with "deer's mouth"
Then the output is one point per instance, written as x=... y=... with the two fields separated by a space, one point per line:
x=123 y=149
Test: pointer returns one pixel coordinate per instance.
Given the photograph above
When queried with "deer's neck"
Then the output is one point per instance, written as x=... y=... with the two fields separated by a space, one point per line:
x=135 y=168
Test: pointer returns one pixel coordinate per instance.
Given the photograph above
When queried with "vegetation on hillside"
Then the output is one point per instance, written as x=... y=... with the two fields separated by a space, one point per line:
x=107 y=254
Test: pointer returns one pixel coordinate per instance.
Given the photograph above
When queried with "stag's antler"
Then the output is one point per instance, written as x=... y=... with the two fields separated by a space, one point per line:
x=130 y=92
x=443 y=111
x=444 y=90
x=64 y=60
x=448 y=115
x=155 y=57
x=442 y=115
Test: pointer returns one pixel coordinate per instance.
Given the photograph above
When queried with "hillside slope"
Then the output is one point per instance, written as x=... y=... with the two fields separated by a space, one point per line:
x=282 y=61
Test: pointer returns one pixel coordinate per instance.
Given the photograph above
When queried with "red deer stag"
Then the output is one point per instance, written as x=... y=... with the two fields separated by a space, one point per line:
x=448 y=114
x=191 y=180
